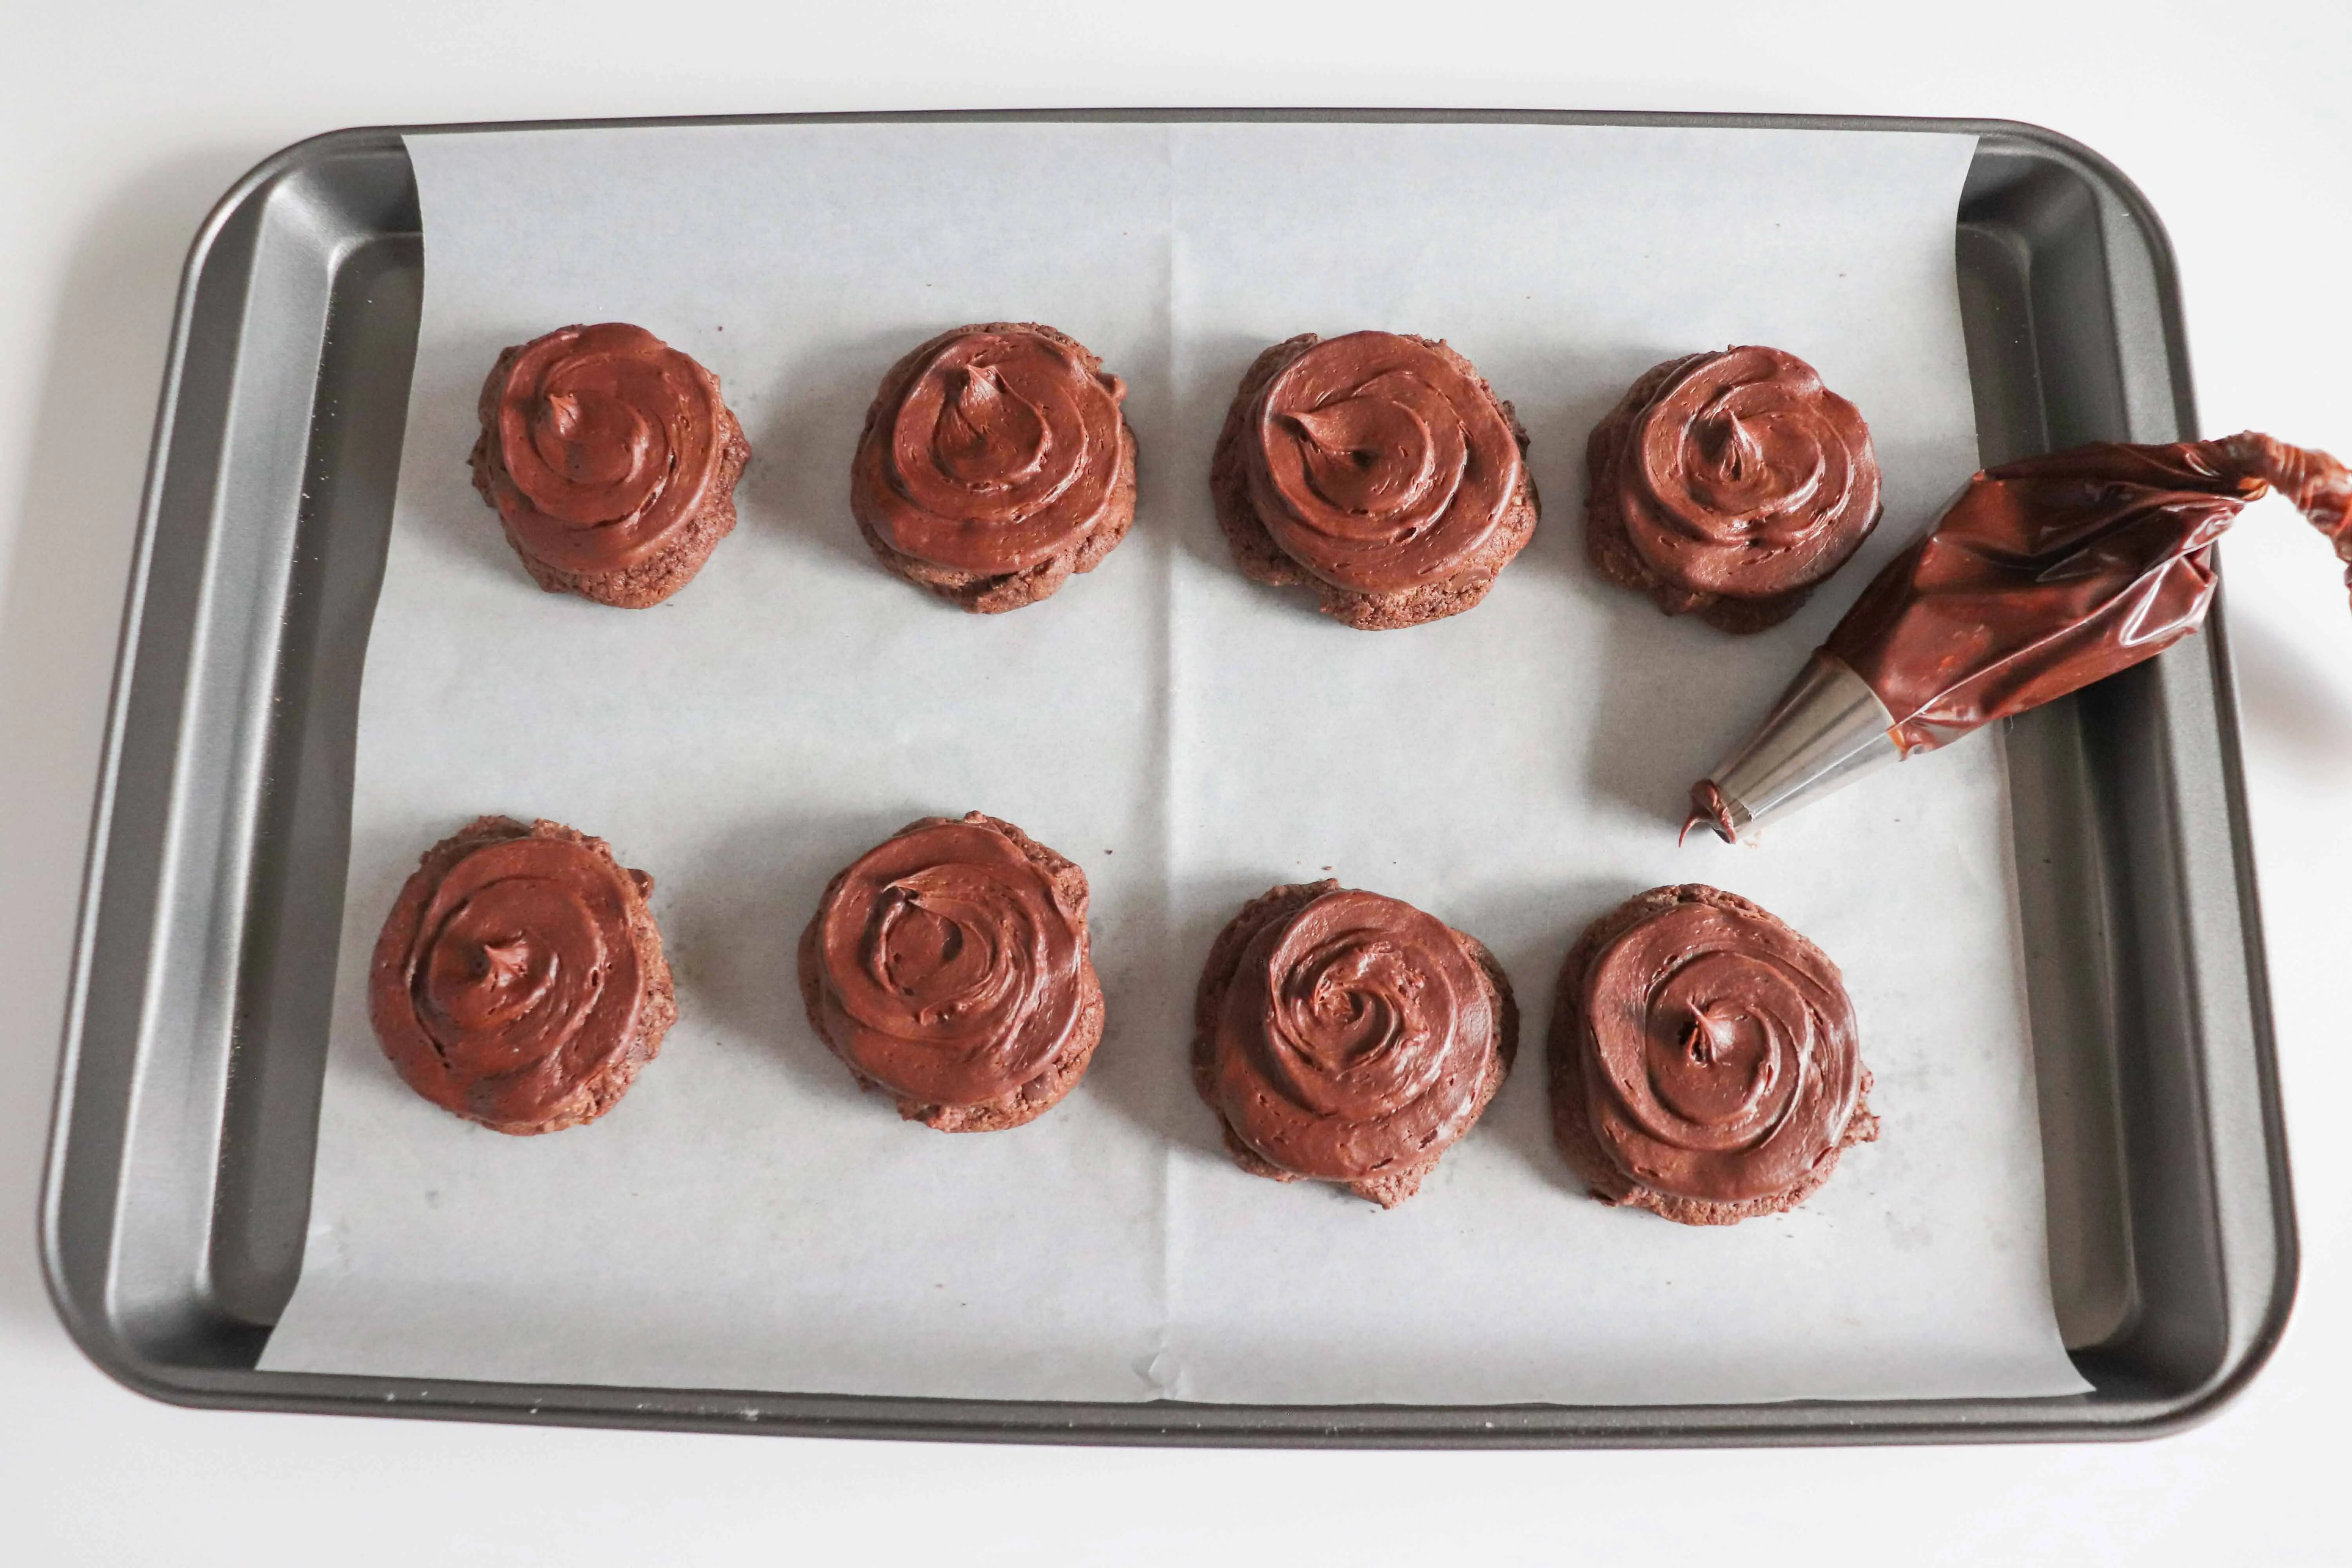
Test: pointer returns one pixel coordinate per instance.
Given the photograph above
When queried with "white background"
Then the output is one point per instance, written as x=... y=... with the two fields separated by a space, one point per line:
x=118 y=125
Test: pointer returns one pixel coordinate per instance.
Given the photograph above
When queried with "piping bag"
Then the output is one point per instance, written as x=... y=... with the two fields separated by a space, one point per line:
x=2043 y=576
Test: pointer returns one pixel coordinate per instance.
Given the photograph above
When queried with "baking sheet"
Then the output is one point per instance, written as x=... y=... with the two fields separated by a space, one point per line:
x=745 y=1219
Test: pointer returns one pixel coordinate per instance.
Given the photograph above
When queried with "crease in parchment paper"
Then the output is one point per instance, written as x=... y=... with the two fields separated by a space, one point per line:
x=745 y=1219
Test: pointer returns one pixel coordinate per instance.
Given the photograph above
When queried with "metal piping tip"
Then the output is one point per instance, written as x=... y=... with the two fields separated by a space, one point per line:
x=1826 y=730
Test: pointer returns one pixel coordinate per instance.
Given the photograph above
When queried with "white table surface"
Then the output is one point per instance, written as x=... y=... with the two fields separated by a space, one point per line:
x=120 y=124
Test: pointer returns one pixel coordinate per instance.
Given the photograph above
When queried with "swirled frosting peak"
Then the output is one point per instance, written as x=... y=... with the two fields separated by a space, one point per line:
x=608 y=445
x=1380 y=463
x=951 y=964
x=1741 y=474
x=1356 y=1038
x=510 y=977
x=1721 y=1063
x=990 y=449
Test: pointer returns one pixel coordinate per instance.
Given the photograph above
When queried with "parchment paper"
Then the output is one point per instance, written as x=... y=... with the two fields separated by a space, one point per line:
x=745 y=1219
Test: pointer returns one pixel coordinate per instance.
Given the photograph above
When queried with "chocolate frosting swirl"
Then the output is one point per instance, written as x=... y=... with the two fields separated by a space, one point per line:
x=989 y=449
x=951 y=966
x=1379 y=464
x=1354 y=1039
x=1720 y=1060
x=1742 y=476
x=608 y=441
x=510 y=978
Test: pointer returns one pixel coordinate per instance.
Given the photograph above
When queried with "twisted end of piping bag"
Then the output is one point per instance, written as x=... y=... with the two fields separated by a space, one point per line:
x=2319 y=486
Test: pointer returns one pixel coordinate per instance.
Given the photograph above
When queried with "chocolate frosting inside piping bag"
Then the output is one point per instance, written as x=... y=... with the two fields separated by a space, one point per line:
x=2055 y=572
x=1379 y=464
x=1724 y=1062
x=950 y=965
x=1003 y=449
x=607 y=438
x=2049 y=573
x=1354 y=1038
x=512 y=981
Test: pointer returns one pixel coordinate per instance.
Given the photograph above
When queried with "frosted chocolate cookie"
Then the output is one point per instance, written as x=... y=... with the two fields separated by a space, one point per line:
x=949 y=967
x=1704 y=1059
x=611 y=460
x=1379 y=471
x=1727 y=485
x=1346 y=1037
x=996 y=460
x=519 y=981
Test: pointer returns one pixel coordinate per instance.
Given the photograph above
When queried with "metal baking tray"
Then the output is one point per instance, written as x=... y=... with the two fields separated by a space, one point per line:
x=179 y=1171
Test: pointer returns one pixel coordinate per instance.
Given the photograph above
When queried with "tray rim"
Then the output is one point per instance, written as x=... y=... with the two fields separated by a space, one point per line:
x=2047 y=1418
